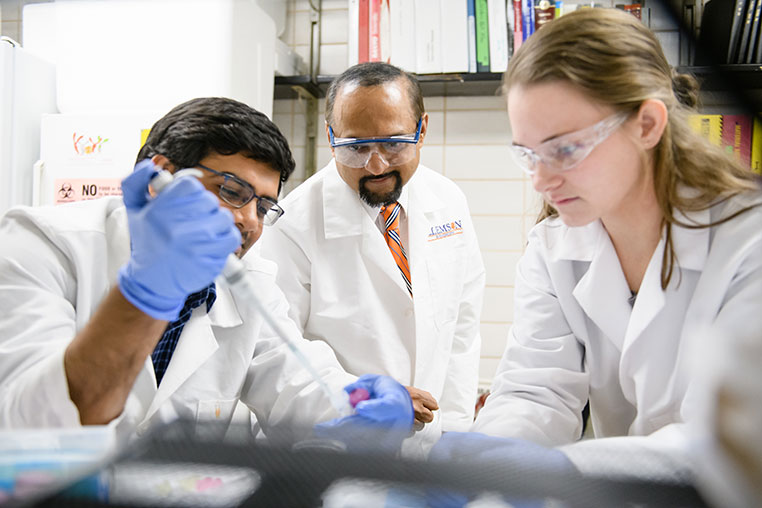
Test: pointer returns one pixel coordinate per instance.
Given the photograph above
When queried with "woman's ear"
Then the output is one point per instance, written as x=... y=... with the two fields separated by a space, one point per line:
x=162 y=162
x=652 y=120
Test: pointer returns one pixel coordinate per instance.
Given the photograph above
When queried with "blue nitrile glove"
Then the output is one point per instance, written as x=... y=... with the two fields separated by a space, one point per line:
x=380 y=423
x=179 y=241
x=513 y=453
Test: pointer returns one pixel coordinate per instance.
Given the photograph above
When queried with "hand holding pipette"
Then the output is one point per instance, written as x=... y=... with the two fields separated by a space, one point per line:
x=236 y=275
x=372 y=402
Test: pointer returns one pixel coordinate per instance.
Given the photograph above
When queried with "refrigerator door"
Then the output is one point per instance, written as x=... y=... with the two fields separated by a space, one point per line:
x=27 y=91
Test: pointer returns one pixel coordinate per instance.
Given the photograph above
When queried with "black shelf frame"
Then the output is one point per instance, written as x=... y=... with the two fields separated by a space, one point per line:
x=433 y=85
x=726 y=77
x=711 y=78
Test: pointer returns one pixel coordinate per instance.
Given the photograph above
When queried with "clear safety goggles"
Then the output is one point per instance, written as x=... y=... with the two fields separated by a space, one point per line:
x=238 y=193
x=565 y=152
x=356 y=152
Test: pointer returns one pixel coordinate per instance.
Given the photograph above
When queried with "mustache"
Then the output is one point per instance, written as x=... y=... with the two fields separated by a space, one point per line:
x=378 y=177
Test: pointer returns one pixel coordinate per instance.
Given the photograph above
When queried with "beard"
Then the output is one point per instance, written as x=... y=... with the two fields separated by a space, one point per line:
x=380 y=199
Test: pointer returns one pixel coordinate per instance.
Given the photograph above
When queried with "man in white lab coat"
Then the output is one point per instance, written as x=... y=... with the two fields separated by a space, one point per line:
x=88 y=290
x=378 y=256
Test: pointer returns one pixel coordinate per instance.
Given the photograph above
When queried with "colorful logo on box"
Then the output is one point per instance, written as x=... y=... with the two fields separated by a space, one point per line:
x=88 y=146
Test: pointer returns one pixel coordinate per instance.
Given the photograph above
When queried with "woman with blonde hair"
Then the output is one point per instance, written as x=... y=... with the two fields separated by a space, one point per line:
x=649 y=242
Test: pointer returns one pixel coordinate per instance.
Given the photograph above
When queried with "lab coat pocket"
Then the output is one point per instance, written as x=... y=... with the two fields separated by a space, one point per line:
x=215 y=413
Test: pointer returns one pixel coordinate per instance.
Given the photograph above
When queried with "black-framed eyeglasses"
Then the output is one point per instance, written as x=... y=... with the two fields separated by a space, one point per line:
x=238 y=193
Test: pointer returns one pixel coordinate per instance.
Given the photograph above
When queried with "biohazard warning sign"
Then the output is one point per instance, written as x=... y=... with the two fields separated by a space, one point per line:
x=68 y=190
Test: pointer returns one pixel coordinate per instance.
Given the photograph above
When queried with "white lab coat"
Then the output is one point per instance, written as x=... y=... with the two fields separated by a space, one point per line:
x=57 y=264
x=344 y=287
x=576 y=337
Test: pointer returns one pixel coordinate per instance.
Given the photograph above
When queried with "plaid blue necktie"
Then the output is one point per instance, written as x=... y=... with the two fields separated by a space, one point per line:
x=166 y=346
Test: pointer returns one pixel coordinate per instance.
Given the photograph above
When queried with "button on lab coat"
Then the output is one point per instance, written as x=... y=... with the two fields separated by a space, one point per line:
x=575 y=335
x=345 y=288
x=57 y=264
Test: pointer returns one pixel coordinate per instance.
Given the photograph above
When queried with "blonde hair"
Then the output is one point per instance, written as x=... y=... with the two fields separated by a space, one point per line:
x=615 y=60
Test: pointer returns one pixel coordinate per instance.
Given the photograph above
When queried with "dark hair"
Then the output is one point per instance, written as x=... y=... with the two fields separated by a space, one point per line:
x=198 y=127
x=374 y=74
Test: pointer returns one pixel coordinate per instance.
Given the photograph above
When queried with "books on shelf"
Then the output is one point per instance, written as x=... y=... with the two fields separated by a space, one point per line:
x=402 y=34
x=739 y=136
x=449 y=36
x=374 y=30
x=482 y=36
x=736 y=137
x=709 y=127
x=756 y=145
x=471 y=12
x=527 y=18
x=736 y=29
x=730 y=33
x=428 y=37
x=751 y=45
x=745 y=32
x=454 y=35
x=498 y=36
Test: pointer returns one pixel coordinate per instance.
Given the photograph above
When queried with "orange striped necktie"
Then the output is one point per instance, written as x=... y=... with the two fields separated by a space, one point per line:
x=391 y=214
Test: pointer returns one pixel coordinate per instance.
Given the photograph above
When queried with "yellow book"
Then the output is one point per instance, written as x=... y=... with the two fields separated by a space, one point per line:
x=756 y=145
x=709 y=126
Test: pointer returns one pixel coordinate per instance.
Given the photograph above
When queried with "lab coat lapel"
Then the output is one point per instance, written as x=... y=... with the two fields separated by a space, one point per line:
x=341 y=206
x=691 y=248
x=602 y=292
x=375 y=251
x=344 y=215
x=197 y=343
x=421 y=215
x=650 y=299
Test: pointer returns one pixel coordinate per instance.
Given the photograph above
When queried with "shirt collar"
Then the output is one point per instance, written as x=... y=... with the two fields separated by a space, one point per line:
x=373 y=211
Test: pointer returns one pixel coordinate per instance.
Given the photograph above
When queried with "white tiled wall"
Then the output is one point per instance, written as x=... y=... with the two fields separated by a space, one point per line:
x=467 y=141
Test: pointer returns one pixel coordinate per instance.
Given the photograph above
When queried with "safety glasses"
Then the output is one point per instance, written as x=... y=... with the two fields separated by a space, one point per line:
x=394 y=150
x=238 y=193
x=567 y=151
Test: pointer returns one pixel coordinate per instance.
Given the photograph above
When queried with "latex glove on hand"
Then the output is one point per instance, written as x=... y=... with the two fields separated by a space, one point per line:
x=507 y=454
x=179 y=242
x=380 y=423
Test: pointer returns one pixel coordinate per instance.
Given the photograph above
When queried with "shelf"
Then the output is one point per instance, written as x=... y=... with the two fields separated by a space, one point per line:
x=727 y=77
x=433 y=85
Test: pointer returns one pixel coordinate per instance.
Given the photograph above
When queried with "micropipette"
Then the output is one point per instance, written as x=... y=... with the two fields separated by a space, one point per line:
x=237 y=277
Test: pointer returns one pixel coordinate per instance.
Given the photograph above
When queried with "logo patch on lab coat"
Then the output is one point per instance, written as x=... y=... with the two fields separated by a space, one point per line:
x=446 y=230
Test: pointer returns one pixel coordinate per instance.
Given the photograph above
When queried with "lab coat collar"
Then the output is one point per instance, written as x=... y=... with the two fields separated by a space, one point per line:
x=341 y=204
x=691 y=245
x=224 y=312
x=603 y=291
